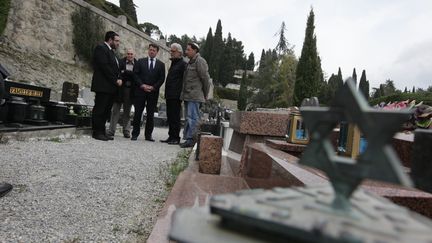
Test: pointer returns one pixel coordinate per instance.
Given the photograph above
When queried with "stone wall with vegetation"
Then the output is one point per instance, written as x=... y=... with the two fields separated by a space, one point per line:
x=37 y=43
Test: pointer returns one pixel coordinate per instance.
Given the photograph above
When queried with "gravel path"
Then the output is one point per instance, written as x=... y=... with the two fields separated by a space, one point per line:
x=82 y=190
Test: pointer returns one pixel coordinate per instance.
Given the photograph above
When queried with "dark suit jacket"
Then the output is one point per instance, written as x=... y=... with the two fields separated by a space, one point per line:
x=126 y=75
x=143 y=75
x=105 y=70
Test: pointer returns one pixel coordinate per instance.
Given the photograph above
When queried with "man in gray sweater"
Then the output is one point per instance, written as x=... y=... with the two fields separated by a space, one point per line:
x=195 y=91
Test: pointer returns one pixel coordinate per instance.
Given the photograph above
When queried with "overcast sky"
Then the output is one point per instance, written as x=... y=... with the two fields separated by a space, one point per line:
x=390 y=39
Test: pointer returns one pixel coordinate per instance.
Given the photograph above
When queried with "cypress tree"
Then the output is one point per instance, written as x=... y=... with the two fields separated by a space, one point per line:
x=227 y=65
x=364 y=85
x=405 y=90
x=250 y=62
x=208 y=46
x=413 y=90
x=262 y=61
x=309 y=74
x=216 y=54
x=243 y=93
x=129 y=8
x=332 y=87
x=339 y=79
x=354 y=77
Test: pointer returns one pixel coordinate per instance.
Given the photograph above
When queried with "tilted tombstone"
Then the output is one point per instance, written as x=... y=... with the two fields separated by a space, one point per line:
x=340 y=213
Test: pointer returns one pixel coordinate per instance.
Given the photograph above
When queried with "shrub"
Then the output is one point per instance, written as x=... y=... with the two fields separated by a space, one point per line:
x=426 y=97
x=113 y=10
x=225 y=93
x=88 y=31
x=4 y=13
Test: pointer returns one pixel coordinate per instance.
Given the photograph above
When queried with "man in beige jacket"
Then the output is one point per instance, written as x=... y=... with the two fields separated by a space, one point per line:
x=195 y=91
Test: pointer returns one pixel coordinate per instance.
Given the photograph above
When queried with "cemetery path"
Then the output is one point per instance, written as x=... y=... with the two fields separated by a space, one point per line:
x=81 y=190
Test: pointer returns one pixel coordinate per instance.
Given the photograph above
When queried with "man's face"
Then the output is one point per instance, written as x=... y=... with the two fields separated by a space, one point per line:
x=114 y=43
x=190 y=52
x=152 y=52
x=130 y=55
x=175 y=53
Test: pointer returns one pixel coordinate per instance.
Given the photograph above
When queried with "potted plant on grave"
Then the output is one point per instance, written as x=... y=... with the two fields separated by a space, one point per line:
x=71 y=117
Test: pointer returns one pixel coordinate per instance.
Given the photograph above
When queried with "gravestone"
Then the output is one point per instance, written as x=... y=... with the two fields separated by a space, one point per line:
x=421 y=170
x=70 y=92
x=340 y=213
x=87 y=96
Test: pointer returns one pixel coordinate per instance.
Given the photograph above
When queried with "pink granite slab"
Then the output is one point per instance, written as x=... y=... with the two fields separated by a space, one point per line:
x=260 y=123
x=192 y=189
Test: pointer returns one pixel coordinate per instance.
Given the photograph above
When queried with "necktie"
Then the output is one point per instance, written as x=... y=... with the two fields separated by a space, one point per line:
x=151 y=64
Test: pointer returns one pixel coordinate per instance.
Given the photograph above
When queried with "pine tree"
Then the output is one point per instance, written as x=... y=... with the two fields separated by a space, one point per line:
x=129 y=8
x=364 y=85
x=413 y=90
x=243 y=93
x=282 y=46
x=208 y=46
x=309 y=76
x=250 y=62
x=354 y=77
x=406 y=90
x=216 y=54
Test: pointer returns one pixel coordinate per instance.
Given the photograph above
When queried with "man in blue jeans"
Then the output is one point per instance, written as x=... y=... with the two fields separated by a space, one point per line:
x=196 y=83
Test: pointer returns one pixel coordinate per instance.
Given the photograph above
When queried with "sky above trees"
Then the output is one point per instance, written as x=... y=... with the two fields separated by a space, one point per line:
x=388 y=38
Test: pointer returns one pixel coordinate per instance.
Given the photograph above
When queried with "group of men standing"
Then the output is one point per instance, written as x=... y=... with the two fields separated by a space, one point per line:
x=130 y=81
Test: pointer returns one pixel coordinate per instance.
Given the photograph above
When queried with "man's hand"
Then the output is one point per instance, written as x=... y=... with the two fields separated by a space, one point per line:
x=119 y=82
x=147 y=88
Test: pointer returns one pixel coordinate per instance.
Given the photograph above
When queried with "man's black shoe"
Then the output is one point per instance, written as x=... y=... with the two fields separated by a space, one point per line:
x=150 y=139
x=134 y=138
x=187 y=144
x=109 y=137
x=126 y=135
x=101 y=137
x=166 y=140
x=174 y=141
x=5 y=188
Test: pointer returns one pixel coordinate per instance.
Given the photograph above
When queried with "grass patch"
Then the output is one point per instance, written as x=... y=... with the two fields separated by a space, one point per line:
x=55 y=140
x=171 y=171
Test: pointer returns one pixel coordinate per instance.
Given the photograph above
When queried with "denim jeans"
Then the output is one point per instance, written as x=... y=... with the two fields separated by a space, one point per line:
x=192 y=119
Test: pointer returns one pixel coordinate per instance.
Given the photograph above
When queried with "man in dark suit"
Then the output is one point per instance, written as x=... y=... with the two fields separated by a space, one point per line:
x=173 y=88
x=106 y=78
x=150 y=75
x=123 y=96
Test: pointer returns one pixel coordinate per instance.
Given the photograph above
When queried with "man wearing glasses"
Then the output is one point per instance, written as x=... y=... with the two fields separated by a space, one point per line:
x=173 y=87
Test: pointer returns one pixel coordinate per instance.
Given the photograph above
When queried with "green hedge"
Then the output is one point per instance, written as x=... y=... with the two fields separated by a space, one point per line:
x=88 y=31
x=426 y=97
x=225 y=93
x=4 y=13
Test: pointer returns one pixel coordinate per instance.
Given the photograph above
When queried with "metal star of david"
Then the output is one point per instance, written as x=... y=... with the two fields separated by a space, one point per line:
x=378 y=162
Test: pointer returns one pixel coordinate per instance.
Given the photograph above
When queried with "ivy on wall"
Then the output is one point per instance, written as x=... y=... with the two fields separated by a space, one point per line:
x=4 y=12
x=113 y=10
x=88 y=31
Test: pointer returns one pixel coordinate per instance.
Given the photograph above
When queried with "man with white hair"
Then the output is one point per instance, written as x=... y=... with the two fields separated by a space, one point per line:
x=173 y=88
x=123 y=96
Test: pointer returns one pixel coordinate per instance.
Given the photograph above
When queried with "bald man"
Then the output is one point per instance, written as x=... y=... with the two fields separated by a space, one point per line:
x=123 y=97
